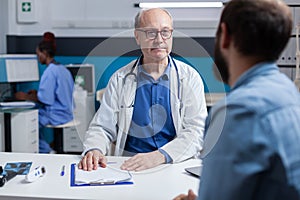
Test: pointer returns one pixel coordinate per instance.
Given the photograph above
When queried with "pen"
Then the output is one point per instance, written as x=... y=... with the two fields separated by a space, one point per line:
x=62 y=173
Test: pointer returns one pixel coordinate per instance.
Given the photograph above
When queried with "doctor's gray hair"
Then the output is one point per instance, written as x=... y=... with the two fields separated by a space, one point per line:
x=137 y=19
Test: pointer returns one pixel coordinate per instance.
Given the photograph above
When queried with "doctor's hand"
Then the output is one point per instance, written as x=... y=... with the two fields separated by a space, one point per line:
x=91 y=160
x=142 y=161
x=190 y=196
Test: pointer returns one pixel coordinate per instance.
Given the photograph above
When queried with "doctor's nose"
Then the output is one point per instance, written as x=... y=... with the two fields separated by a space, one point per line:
x=159 y=38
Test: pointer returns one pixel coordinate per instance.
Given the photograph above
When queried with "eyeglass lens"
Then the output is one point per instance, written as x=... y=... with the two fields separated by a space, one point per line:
x=152 y=34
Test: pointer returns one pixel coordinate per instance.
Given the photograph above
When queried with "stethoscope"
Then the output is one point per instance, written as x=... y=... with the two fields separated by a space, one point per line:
x=131 y=73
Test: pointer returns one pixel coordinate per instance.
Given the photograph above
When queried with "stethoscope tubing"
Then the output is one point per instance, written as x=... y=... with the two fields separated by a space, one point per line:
x=131 y=73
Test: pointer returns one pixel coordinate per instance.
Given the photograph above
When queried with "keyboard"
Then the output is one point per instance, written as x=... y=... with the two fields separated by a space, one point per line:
x=11 y=99
x=17 y=104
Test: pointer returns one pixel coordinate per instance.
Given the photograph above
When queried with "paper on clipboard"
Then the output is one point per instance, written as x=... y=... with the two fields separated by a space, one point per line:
x=107 y=175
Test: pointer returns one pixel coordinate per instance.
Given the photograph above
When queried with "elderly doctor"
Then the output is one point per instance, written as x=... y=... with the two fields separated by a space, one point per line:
x=153 y=109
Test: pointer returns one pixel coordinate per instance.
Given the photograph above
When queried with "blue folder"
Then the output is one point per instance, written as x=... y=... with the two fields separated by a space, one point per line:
x=73 y=184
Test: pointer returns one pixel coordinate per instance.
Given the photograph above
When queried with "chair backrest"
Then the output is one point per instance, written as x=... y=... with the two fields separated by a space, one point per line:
x=99 y=94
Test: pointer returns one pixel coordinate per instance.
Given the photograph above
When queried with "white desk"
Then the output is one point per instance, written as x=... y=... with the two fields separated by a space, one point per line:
x=162 y=182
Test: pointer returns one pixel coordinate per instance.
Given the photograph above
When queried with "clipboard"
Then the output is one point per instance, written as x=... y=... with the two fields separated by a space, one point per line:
x=98 y=183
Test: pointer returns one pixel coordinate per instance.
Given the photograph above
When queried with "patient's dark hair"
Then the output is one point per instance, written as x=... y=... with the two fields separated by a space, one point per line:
x=259 y=28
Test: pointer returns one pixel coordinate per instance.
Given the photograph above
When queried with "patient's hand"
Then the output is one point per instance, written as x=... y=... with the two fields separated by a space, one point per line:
x=190 y=196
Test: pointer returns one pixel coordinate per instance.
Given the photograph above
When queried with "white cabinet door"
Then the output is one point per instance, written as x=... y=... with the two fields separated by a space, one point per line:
x=25 y=131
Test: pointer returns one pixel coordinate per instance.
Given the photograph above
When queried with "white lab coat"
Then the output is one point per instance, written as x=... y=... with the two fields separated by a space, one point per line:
x=111 y=123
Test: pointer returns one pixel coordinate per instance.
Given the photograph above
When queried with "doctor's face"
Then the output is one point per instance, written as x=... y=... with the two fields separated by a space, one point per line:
x=154 y=35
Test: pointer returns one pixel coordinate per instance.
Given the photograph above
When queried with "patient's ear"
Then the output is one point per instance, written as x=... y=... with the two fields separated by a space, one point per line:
x=225 y=38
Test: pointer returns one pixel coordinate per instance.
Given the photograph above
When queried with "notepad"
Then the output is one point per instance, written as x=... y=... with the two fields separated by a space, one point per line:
x=101 y=176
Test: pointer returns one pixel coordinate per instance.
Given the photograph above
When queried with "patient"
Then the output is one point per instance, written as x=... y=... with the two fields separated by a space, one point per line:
x=257 y=127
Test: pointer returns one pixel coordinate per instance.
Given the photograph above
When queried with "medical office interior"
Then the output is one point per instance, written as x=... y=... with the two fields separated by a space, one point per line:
x=94 y=39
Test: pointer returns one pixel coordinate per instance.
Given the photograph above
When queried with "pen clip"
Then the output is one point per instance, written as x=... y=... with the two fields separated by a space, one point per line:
x=108 y=182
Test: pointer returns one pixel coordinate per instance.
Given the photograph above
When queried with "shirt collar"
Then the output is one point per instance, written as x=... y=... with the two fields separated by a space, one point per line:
x=165 y=76
x=259 y=69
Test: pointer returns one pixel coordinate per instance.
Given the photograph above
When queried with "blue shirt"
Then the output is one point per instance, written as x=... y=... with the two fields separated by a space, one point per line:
x=56 y=94
x=152 y=124
x=257 y=154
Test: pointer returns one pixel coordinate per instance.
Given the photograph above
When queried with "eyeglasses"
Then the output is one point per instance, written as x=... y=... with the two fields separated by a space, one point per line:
x=152 y=34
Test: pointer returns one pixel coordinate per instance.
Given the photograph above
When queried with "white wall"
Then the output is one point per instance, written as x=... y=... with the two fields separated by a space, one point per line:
x=103 y=18
x=3 y=24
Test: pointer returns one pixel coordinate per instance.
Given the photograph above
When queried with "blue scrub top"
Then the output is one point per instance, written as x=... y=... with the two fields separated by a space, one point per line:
x=56 y=94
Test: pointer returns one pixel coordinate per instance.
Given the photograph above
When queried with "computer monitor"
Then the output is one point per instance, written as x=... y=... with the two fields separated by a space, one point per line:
x=84 y=75
x=18 y=68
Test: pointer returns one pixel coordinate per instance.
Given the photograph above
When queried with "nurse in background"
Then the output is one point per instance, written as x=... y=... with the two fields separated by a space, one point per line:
x=55 y=90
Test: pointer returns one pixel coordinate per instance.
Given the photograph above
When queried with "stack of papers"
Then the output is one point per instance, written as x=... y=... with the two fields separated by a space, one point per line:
x=18 y=104
x=102 y=176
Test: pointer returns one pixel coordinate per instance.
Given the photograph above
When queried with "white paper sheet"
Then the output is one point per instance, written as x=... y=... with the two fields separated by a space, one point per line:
x=107 y=175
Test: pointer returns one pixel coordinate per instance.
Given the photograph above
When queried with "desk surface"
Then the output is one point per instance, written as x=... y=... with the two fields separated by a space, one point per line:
x=163 y=182
x=15 y=109
x=17 y=106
